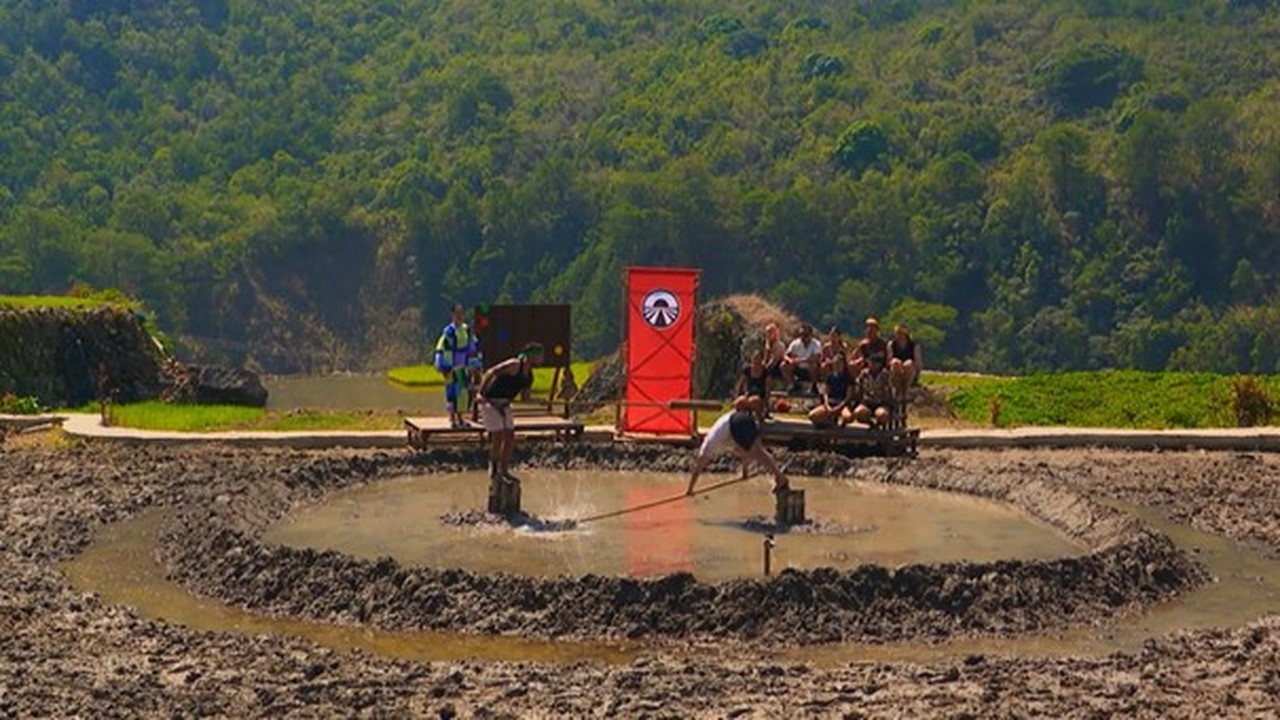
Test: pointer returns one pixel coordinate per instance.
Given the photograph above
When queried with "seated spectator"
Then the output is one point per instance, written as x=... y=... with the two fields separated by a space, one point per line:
x=754 y=382
x=872 y=352
x=803 y=361
x=774 y=350
x=837 y=396
x=875 y=396
x=833 y=345
x=905 y=360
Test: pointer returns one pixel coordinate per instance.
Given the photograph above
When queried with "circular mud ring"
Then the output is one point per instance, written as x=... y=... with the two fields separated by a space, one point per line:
x=213 y=547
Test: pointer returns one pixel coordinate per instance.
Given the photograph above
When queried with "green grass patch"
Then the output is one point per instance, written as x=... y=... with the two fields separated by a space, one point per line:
x=21 y=302
x=155 y=415
x=1113 y=398
x=421 y=376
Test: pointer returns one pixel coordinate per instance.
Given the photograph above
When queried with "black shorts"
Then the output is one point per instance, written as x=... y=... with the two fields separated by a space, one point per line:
x=743 y=429
x=774 y=370
x=802 y=374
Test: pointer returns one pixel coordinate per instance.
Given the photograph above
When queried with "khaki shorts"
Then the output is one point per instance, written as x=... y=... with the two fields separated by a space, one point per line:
x=497 y=418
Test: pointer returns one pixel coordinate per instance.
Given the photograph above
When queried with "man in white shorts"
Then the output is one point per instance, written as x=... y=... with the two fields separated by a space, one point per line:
x=737 y=432
x=499 y=386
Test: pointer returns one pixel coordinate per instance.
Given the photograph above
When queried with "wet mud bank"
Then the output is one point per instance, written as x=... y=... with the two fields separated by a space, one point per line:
x=212 y=546
x=64 y=652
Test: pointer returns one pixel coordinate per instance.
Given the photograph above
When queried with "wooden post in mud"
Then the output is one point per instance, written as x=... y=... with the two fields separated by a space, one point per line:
x=790 y=508
x=504 y=497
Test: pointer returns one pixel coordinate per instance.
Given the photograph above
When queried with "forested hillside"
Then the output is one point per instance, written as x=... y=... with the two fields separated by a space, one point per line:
x=306 y=184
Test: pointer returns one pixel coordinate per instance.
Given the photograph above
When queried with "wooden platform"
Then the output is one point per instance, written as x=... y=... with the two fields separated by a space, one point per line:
x=802 y=435
x=890 y=440
x=422 y=430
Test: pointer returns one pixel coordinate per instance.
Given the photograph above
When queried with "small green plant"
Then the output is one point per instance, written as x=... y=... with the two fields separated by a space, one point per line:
x=13 y=405
x=993 y=411
x=1250 y=402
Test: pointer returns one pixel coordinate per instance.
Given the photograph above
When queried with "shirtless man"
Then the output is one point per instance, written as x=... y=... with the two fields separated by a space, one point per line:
x=737 y=431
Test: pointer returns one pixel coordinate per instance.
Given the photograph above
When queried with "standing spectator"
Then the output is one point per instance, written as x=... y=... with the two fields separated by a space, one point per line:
x=905 y=360
x=803 y=362
x=457 y=354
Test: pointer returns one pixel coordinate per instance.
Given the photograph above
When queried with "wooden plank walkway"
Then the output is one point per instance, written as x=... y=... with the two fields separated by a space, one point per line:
x=422 y=429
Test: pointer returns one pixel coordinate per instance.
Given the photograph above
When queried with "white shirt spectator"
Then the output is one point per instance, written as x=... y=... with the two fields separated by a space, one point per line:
x=800 y=351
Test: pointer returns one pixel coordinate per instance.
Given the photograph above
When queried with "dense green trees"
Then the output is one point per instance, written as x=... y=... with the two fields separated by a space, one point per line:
x=1032 y=185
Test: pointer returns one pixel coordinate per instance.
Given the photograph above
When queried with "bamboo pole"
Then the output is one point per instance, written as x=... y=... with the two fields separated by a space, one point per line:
x=663 y=501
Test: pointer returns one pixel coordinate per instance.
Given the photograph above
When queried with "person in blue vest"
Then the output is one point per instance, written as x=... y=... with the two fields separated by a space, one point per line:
x=457 y=355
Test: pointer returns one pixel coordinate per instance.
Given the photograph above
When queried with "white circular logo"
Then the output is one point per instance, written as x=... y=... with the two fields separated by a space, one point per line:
x=661 y=309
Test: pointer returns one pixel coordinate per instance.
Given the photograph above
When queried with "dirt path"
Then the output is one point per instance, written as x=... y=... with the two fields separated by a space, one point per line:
x=66 y=653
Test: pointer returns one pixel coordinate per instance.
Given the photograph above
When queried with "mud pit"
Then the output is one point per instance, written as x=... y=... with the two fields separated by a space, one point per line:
x=217 y=549
x=714 y=537
x=66 y=652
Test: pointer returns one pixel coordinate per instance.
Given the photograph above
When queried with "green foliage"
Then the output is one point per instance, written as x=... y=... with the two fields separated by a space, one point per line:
x=1086 y=76
x=25 y=405
x=860 y=146
x=720 y=24
x=51 y=301
x=1251 y=402
x=819 y=65
x=929 y=323
x=284 y=180
x=1124 y=399
x=223 y=418
x=930 y=33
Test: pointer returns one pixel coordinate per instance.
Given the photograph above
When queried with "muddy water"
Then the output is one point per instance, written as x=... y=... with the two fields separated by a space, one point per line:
x=861 y=523
x=122 y=569
x=1246 y=586
x=350 y=392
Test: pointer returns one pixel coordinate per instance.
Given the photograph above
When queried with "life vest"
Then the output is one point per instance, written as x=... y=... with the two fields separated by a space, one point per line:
x=454 y=342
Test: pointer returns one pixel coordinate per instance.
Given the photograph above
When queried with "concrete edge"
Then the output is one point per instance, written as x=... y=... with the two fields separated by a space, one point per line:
x=89 y=427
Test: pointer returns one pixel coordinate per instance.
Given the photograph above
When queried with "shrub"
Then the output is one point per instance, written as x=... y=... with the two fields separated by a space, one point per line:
x=860 y=146
x=930 y=33
x=14 y=405
x=1250 y=402
x=1086 y=76
x=818 y=64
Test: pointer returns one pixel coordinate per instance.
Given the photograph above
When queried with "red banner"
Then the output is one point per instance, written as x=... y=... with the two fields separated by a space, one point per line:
x=659 y=350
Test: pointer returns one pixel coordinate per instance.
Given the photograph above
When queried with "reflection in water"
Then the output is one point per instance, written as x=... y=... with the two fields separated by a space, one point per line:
x=351 y=392
x=704 y=535
x=658 y=540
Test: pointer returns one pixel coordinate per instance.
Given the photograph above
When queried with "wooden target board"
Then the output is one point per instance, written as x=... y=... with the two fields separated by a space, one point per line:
x=504 y=329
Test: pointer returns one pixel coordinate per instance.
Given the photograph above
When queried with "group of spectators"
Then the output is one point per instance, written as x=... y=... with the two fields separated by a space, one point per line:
x=854 y=382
